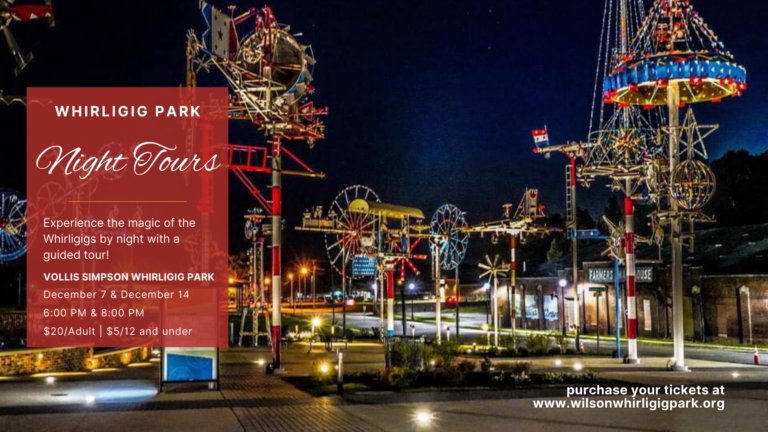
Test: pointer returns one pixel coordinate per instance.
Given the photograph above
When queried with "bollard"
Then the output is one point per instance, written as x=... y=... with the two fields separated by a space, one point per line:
x=340 y=375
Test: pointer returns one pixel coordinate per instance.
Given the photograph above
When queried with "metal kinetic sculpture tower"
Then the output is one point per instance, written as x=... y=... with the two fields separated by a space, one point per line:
x=673 y=60
x=622 y=144
x=269 y=76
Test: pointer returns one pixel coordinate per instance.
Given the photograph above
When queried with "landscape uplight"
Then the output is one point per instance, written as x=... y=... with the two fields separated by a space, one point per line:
x=424 y=418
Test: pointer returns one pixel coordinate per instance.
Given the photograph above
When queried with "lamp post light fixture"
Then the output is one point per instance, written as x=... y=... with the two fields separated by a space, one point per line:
x=315 y=324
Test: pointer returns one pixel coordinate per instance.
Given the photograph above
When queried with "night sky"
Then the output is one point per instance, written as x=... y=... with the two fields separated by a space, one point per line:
x=430 y=101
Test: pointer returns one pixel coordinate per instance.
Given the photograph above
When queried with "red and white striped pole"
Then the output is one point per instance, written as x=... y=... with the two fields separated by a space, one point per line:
x=512 y=279
x=276 y=246
x=629 y=246
x=390 y=269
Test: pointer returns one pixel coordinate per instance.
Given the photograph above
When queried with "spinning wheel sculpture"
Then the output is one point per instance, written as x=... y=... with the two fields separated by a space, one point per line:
x=493 y=270
x=449 y=228
x=13 y=225
x=355 y=230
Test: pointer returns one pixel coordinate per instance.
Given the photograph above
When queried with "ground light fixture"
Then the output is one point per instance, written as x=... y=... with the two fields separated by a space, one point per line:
x=324 y=368
x=90 y=400
x=50 y=380
x=424 y=417
x=735 y=374
x=577 y=367
x=558 y=362
x=260 y=362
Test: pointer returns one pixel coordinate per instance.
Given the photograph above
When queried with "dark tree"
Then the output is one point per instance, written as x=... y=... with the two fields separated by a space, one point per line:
x=741 y=178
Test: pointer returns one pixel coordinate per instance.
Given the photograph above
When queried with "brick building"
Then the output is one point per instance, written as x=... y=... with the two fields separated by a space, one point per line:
x=725 y=290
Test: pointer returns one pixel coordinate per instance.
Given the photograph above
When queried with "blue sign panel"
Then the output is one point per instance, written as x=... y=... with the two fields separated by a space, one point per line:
x=364 y=265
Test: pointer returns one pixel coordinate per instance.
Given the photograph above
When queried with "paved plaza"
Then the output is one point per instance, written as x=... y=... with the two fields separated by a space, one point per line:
x=249 y=400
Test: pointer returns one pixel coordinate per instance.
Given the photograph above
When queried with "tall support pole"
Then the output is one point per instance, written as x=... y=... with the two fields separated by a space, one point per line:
x=458 y=303
x=617 y=304
x=381 y=289
x=344 y=308
x=404 y=316
x=512 y=279
x=255 y=292
x=438 y=303
x=575 y=253
x=495 y=303
x=390 y=268
x=277 y=241
x=629 y=247
x=673 y=105
x=312 y=284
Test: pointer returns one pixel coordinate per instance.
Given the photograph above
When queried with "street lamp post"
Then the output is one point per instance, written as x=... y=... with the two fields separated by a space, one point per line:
x=412 y=287
x=402 y=307
x=303 y=272
x=312 y=283
x=293 y=299
x=562 y=284
x=487 y=288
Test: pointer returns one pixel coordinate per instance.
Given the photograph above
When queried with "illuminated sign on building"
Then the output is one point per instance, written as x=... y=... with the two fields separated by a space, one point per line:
x=605 y=274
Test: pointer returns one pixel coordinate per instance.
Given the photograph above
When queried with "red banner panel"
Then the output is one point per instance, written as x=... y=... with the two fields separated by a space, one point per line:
x=127 y=217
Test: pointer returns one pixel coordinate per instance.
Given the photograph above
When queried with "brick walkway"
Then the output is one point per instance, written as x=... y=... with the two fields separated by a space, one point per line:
x=284 y=407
